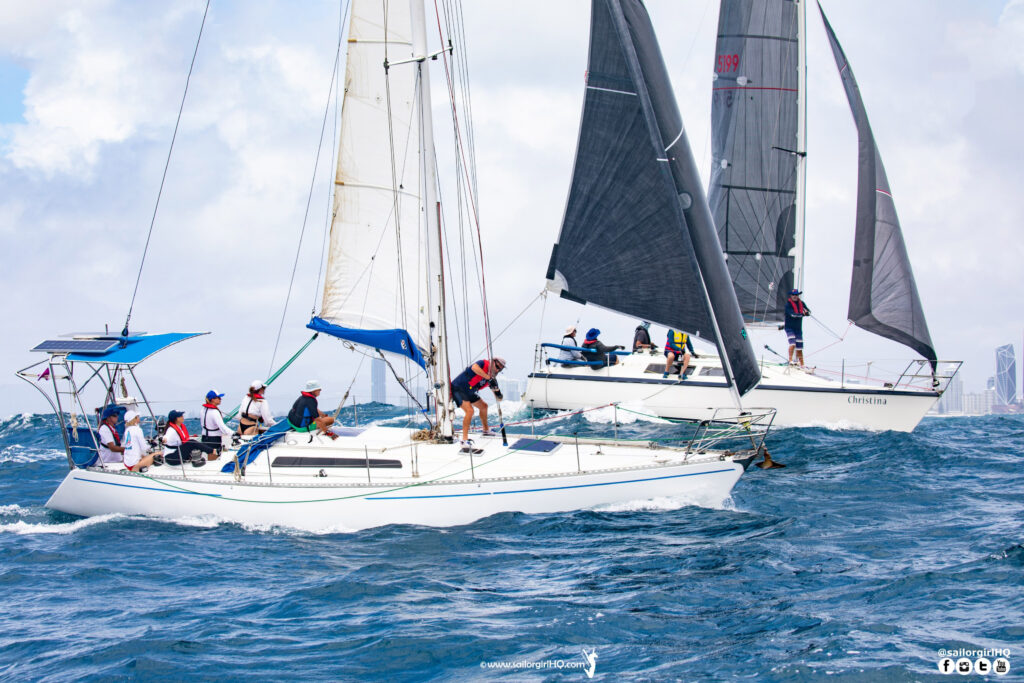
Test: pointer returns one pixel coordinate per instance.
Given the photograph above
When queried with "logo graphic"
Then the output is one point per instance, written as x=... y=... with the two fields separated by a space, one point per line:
x=591 y=658
x=946 y=665
x=982 y=666
x=1001 y=666
x=964 y=666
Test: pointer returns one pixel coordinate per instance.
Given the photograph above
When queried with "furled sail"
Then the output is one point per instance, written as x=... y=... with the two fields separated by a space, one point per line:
x=376 y=282
x=883 y=295
x=637 y=236
x=754 y=151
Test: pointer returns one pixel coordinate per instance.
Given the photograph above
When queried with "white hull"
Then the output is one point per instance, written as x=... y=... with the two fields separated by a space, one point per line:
x=800 y=397
x=446 y=492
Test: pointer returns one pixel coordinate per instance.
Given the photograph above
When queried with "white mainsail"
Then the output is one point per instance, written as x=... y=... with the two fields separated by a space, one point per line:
x=377 y=275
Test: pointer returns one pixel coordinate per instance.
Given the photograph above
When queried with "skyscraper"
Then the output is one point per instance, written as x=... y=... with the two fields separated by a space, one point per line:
x=378 y=381
x=1006 y=376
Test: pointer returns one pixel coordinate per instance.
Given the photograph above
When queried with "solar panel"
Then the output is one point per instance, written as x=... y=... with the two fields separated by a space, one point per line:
x=97 y=346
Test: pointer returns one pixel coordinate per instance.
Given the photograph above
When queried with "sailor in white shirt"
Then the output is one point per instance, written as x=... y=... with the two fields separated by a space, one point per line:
x=110 y=448
x=214 y=431
x=254 y=416
x=136 y=456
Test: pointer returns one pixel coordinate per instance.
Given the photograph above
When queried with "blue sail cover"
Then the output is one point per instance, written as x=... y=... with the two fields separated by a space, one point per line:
x=393 y=341
x=883 y=294
x=638 y=236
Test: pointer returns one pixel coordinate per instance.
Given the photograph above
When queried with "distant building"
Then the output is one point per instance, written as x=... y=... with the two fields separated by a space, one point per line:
x=952 y=401
x=1006 y=376
x=378 y=381
x=979 y=404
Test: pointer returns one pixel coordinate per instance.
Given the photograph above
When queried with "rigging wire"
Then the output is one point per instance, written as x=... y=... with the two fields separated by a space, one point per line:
x=309 y=200
x=163 y=178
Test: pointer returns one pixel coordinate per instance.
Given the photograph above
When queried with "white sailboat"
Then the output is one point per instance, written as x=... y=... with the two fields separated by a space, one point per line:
x=757 y=198
x=385 y=292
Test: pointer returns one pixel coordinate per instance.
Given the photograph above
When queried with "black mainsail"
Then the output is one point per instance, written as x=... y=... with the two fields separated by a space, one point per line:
x=756 y=151
x=883 y=294
x=638 y=236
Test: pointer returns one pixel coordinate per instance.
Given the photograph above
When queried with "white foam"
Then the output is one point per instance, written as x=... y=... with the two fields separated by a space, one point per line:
x=667 y=504
x=13 y=509
x=16 y=453
x=24 y=528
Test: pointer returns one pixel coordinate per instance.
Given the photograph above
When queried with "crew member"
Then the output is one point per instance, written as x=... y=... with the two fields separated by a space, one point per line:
x=110 y=448
x=678 y=345
x=306 y=416
x=179 y=446
x=477 y=376
x=596 y=352
x=569 y=340
x=215 y=432
x=136 y=451
x=254 y=416
x=642 y=337
x=796 y=310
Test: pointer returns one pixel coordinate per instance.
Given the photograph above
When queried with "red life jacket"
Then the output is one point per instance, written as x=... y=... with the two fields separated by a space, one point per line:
x=478 y=381
x=308 y=393
x=798 y=306
x=117 y=437
x=181 y=429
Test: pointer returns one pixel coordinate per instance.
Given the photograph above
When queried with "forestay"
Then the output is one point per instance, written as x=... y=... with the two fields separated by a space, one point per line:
x=754 y=147
x=883 y=294
x=637 y=236
x=377 y=275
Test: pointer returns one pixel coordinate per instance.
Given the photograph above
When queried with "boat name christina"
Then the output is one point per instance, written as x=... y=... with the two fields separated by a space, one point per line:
x=871 y=400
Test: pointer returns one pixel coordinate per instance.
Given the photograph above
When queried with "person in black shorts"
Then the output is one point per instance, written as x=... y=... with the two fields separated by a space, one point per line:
x=465 y=390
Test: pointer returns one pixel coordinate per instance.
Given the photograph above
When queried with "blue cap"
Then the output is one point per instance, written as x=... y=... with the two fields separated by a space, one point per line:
x=795 y=292
x=174 y=415
x=211 y=394
x=109 y=411
x=593 y=332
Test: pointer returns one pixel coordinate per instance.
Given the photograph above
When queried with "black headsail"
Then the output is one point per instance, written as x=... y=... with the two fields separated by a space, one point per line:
x=883 y=295
x=754 y=150
x=638 y=237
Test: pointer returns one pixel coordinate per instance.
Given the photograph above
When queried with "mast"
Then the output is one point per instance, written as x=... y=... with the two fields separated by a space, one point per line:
x=801 y=146
x=431 y=210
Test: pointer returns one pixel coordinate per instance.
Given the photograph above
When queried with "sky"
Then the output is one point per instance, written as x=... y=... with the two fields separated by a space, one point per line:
x=90 y=89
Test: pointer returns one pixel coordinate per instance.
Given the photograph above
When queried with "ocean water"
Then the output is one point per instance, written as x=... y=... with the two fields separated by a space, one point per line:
x=861 y=560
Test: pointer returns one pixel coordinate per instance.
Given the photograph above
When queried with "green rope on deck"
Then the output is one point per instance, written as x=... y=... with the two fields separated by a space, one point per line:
x=277 y=374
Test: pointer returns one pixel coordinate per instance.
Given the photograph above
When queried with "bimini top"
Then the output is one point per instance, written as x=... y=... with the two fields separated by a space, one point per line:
x=114 y=350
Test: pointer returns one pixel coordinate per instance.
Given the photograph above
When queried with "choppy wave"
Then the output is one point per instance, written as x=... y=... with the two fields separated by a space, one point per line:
x=861 y=559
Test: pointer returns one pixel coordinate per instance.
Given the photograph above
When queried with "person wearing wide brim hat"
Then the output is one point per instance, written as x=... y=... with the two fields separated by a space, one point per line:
x=306 y=416
x=110 y=447
x=477 y=376
x=569 y=340
x=596 y=352
x=254 y=416
x=796 y=311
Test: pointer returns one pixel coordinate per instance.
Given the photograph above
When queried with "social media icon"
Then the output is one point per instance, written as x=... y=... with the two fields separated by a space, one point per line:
x=946 y=665
x=964 y=666
x=1001 y=666
x=982 y=666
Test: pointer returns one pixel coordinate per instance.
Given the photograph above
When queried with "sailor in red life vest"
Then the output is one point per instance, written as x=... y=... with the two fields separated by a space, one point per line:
x=254 y=416
x=477 y=376
x=796 y=311
x=215 y=433
x=109 y=440
x=678 y=345
x=178 y=444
